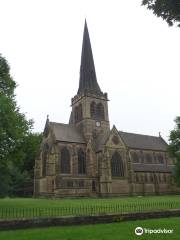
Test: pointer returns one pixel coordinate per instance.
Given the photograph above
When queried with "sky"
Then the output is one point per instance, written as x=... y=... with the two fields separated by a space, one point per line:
x=136 y=58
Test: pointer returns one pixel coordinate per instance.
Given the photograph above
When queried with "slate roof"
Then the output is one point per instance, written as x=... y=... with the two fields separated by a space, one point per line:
x=66 y=133
x=139 y=141
x=139 y=167
x=87 y=81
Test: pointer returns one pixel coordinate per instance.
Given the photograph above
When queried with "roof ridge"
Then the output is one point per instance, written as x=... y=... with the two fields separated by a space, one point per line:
x=140 y=134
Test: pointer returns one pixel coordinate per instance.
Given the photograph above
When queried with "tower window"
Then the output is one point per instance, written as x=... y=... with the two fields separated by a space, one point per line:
x=78 y=113
x=117 y=168
x=97 y=111
x=100 y=111
x=81 y=162
x=93 y=109
x=65 y=160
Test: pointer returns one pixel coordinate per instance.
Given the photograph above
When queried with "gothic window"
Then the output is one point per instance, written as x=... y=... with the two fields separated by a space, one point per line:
x=135 y=157
x=65 y=160
x=76 y=114
x=117 y=168
x=93 y=109
x=148 y=158
x=45 y=159
x=80 y=112
x=81 y=162
x=100 y=111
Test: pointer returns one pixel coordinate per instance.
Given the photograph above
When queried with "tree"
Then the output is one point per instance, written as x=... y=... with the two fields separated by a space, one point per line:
x=13 y=125
x=174 y=148
x=168 y=10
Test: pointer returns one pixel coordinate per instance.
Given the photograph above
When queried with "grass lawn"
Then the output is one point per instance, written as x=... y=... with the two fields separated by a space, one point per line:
x=114 y=231
x=29 y=207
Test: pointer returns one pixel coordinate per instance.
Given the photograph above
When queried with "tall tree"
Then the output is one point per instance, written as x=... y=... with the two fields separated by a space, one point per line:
x=174 y=148
x=13 y=124
x=169 y=10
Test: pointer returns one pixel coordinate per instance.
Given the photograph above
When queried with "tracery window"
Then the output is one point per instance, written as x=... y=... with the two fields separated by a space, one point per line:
x=65 y=160
x=81 y=162
x=97 y=110
x=117 y=168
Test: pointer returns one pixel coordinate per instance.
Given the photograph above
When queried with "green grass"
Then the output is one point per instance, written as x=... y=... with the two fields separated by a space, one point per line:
x=29 y=207
x=46 y=203
x=115 y=231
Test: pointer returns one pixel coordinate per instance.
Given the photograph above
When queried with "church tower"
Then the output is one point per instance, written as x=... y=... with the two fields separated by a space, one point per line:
x=89 y=105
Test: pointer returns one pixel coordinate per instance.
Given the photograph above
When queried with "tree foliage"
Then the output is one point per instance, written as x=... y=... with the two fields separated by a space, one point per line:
x=15 y=135
x=169 y=10
x=174 y=148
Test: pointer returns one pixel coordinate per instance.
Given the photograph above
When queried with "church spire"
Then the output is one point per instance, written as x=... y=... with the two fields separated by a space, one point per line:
x=87 y=81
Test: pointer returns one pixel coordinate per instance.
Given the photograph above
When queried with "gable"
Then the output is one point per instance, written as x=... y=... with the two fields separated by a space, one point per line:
x=114 y=140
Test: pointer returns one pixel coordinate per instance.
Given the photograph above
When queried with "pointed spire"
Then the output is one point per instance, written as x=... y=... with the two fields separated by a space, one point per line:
x=87 y=81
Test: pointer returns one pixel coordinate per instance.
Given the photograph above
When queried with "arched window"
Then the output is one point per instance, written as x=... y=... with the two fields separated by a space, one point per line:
x=65 y=160
x=45 y=159
x=81 y=162
x=79 y=112
x=100 y=111
x=117 y=168
x=93 y=109
x=76 y=114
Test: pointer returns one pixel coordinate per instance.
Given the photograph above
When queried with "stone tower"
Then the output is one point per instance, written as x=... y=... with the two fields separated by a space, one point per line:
x=89 y=105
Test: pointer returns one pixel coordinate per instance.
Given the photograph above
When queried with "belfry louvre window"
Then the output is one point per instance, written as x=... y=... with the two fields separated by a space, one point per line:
x=93 y=109
x=65 y=160
x=81 y=162
x=97 y=111
x=100 y=111
x=117 y=168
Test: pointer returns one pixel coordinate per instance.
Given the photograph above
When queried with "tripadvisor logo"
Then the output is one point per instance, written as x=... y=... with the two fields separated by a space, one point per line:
x=139 y=231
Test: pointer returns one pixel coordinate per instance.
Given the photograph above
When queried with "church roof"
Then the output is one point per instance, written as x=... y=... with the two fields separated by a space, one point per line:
x=66 y=133
x=87 y=81
x=139 y=141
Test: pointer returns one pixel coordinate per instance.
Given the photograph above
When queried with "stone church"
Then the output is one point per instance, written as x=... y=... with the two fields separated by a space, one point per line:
x=85 y=158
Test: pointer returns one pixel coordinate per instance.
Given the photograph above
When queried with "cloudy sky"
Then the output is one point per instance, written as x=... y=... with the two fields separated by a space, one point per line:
x=136 y=58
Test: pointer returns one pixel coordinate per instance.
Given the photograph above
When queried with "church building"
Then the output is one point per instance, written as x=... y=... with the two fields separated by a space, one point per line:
x=85 y=158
